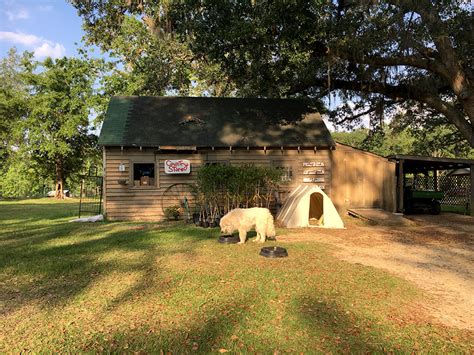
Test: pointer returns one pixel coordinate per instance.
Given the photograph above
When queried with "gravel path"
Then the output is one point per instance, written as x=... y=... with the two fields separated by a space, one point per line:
x=434 y=252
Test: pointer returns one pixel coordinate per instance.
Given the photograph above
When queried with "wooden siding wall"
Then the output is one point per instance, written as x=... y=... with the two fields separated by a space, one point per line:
x=362 y=180
x=144 y=203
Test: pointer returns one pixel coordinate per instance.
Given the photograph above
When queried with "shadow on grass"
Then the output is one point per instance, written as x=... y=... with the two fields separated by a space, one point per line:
x=338 y=330
x=209 y=330
x=13 y=214
x=54 y=263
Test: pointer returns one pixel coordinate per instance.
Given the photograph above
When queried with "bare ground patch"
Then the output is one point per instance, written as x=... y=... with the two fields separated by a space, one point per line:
x=434 y=252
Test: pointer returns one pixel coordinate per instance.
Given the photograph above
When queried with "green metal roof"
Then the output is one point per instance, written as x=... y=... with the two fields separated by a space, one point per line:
x=114 y=127
x=212 y=122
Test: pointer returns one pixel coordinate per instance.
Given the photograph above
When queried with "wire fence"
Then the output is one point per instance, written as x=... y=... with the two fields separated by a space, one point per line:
x=456 y=188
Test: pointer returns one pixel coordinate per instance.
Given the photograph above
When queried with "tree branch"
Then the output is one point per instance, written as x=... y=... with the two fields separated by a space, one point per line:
x=360 y=114
x=379 y=61
x=454 y=72
x=454 y=115
x=354 y=117
x=396 y=92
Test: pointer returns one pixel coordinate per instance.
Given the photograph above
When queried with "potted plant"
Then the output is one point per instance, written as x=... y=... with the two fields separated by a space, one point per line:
x=212 y=224
x=173 y=212
x=196 y=218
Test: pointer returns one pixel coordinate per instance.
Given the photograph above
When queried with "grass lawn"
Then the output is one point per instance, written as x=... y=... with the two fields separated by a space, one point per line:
x=132 y=287
x=455 y=209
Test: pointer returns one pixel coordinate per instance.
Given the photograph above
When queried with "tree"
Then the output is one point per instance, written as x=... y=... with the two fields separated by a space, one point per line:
x=387 y=53
x=56 y=133
x=353 y=138
x=149 y=60
x=403 y=136
x=383 y=54
x=13 y=95
x=430 y=135
x=16 y=173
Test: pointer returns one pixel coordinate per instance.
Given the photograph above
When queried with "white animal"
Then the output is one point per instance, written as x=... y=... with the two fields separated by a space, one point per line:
x=244 y=219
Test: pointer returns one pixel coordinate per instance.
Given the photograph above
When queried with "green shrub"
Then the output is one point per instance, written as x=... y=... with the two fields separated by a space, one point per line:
x=222 y=188
x=21 y=179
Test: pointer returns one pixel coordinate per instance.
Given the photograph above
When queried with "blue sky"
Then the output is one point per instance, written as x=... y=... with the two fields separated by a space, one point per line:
x=46 y=27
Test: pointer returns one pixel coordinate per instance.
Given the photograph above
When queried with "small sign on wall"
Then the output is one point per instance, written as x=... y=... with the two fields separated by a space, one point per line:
x=181 y=166
x=313 y=172
x=312 y=163
x=311 y=179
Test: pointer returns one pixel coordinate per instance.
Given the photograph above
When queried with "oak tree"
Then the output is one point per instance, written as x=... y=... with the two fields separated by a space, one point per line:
x=149 y=58
x=388 y=53
x=377 y=55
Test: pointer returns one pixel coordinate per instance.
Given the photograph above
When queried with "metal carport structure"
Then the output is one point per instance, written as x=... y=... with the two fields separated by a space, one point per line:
x=412 y=164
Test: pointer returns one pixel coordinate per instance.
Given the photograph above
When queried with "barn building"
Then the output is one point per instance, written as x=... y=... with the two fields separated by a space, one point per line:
x=154 y=146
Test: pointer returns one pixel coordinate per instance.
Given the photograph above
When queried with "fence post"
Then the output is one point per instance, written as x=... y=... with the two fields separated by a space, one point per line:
x=101 y=191
x=400 y=185
x=80 y=197
x=471 y=200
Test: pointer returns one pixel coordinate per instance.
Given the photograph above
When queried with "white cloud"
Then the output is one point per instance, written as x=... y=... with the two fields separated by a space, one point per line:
x=17 y=14
x=54 y=50
x=19 y=38
x=41 y=47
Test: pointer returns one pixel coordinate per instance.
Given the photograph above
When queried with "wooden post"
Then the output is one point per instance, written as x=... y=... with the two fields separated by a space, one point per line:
x=104 y=181
x=471 y=202
x=400 y=183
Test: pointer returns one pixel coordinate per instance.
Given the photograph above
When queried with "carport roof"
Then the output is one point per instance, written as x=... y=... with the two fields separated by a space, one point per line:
x=413 y=163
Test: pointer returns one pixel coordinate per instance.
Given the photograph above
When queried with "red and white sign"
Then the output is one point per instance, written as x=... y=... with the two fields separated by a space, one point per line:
x=181 y=166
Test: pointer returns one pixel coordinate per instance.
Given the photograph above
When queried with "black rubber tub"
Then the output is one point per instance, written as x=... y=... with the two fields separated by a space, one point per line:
x=229 y=239
x=273 y=252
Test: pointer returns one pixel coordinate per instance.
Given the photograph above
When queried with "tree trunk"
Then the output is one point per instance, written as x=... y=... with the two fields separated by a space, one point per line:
x=451 y=113
x=59 y=179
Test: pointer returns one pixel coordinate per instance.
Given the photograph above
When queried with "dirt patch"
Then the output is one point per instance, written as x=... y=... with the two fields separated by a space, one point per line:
x=434 y=252
x=377 y=216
